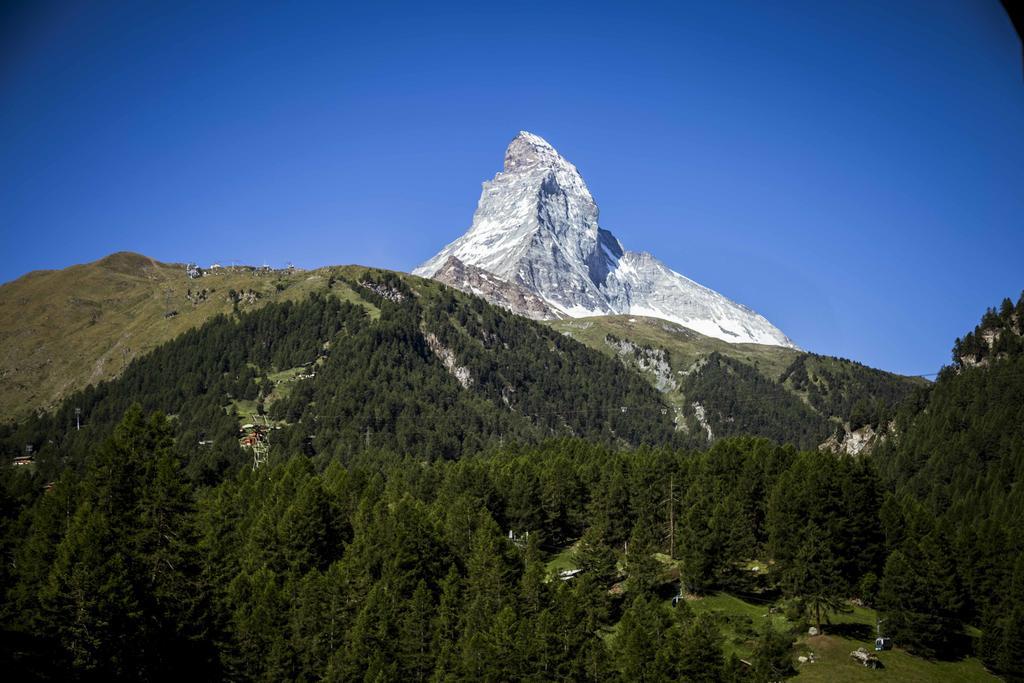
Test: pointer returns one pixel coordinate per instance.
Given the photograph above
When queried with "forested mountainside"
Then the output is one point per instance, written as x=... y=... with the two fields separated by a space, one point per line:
x=720 y=389
x=64 y=330
x=956 y=467
x=124 y=559
x=428 y=372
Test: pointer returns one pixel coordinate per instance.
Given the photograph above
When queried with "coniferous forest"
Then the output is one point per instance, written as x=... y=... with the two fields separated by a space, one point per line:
x=433 y=468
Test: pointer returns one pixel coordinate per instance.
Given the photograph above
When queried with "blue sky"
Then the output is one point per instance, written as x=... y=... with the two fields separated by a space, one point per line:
x=853 y=171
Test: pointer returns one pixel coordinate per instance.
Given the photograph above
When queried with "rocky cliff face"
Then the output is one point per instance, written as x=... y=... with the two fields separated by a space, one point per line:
x=510 y=295
x=536 y=232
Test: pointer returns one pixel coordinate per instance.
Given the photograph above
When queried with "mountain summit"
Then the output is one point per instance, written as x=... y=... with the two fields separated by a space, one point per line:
x=535 y=246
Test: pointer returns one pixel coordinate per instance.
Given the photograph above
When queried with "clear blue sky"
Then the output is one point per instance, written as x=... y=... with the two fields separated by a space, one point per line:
x=853 y=171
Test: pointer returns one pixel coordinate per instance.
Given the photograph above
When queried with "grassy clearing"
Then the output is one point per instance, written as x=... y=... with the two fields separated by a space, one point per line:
x=834 y=664
x=561 y=561
x=739 y=621
x=245 y=408
x=846 y=632
x=288 y=375
x=284 y=383
x=345 y=293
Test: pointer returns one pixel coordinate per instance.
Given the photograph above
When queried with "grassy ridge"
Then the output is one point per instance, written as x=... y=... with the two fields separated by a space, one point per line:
x=61 y=330
x=686 y=346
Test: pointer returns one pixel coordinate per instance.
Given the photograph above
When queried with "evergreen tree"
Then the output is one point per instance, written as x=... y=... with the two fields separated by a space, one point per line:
x=700 y=652
x=448 y=627
x=415 y=636
x=773 y=658
x=643 y=569
x=909 y=601
x=813 y=577
x=89 y=601
x=647 y=645
x=595 y=559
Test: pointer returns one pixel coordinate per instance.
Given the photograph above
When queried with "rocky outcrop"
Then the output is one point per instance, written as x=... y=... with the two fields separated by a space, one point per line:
x=856 y=442
x=447 y=358
x=646 y=359
x=478 y=281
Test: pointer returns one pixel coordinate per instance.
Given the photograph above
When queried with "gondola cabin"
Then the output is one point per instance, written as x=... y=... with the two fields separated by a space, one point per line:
x=883 y=644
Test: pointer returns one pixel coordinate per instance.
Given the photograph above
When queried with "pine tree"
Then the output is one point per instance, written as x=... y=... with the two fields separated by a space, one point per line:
x=700 y=652
x=533 y=589
x=641 y=566
x=814 y=578
x=594 y=558
x=89 y=602
x=647 y=642
x=696 y=545
x=609 y=505
x=909 y=600
x=773 y=658
x=448 y=627
x=415 y=635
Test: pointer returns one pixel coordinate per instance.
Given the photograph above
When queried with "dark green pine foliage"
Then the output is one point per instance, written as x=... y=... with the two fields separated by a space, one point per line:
x=607 y=401
x=957 y=462
x=1002 y=641
x=658 y=643
x=88 y=601
x=773 y=655
x=1000 y=333
x=378 y=384
x=646 y=646
x=700 y=651
x=1007 y=650
x=490 y=572
x=193 y=377
x=448 y=627
x=721 y=518
x=913 y=611
x=122 y=592
x=853 y=392
x=147 y=560
x=643 y=569
x=740 y=400
x=387 y=387
x=817 y=521
x=813 y=577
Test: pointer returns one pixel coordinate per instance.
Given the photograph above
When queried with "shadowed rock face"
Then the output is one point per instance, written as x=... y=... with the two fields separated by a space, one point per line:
x=478 y=281
x=536 y=232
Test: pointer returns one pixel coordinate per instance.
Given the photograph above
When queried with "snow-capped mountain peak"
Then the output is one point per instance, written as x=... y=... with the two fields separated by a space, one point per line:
x=536 y=228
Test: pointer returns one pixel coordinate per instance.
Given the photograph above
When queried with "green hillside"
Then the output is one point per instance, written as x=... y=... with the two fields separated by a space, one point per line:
x=61 y=330
x=394 y=362
x=781 y=393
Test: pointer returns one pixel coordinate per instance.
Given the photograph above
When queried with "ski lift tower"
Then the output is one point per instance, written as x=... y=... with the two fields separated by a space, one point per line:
x=259 y=445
